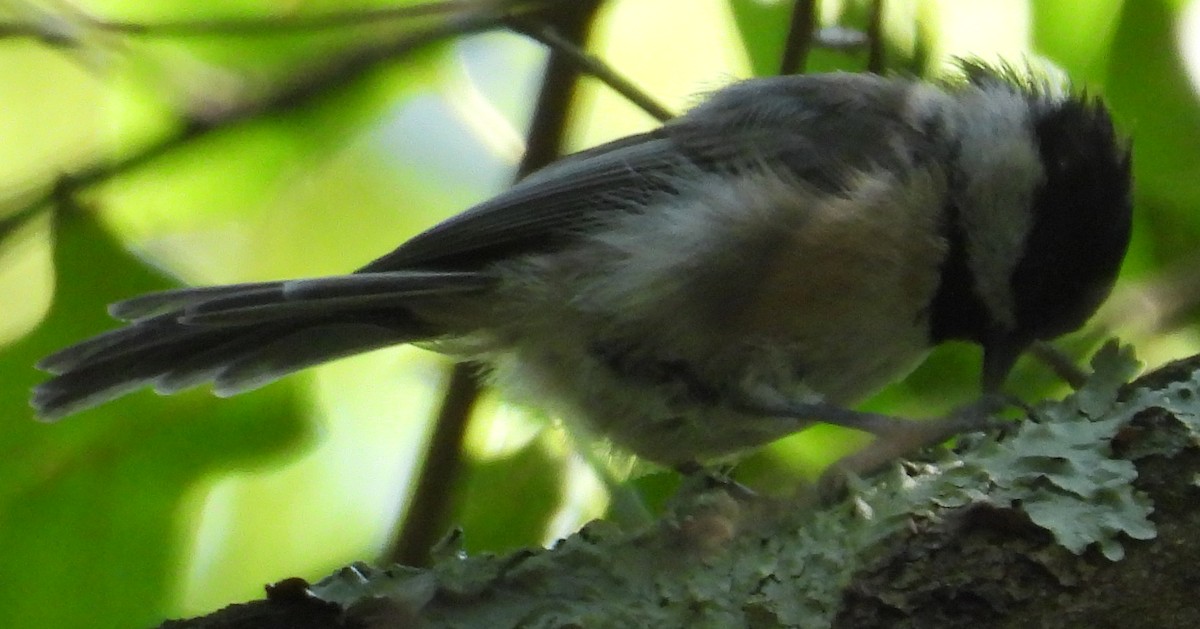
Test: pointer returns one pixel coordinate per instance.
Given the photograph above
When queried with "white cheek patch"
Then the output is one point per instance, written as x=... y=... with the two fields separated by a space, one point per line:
x=1001 y=170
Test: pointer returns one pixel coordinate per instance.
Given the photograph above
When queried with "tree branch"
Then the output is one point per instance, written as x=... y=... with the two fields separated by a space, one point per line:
x=799 y=38
x=302 y=88
x=429 y=514
x=67 y=29
x=1048 y=525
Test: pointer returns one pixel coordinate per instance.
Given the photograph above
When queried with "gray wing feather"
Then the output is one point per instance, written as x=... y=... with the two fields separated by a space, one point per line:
x=564 y=196
x=794 y=124
x=246 y=335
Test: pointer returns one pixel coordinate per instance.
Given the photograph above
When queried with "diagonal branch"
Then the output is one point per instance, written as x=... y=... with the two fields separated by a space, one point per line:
x=799 y=38
x=427 y=518
x=65 y=29
x=553 y=39
x=301 y=89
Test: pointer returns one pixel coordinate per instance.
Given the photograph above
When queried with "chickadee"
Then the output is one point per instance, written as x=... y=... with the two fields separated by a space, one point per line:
x=747 y=270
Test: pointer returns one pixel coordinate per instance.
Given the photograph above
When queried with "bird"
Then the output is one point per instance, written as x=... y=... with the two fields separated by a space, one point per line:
x=751 y=268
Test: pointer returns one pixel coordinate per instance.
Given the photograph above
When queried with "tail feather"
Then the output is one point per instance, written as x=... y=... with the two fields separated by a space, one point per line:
x=231 y=313
x=327 y=296
x=305 y=348
x=122 y=340
x=168 y=301
x=407 y=282
x=244 y=336
x=104 y=376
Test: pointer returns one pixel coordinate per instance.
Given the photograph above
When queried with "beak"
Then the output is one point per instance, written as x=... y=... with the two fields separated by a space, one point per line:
x=998 y=359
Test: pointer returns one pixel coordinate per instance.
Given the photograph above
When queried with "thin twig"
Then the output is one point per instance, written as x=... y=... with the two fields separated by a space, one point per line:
x=1060 y=363
x=591 y=64
x=876 y=58
x=304 y=89
x=799 y=38
x=428 y=517
x=55 y=29
x=1157 y=305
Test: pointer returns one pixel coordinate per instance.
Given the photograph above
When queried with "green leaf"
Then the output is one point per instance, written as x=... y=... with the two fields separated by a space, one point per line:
x=764 y=27
x=90 y=508
x=1154 y=100
x=507 y=503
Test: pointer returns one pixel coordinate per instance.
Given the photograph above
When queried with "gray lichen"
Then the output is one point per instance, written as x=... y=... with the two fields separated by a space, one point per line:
x=718 y=561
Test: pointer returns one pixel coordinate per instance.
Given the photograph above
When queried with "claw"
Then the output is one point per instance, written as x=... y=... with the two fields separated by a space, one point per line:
x=699 y=479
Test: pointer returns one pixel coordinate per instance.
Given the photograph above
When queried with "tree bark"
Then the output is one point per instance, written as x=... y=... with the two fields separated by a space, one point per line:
x=1083 y=515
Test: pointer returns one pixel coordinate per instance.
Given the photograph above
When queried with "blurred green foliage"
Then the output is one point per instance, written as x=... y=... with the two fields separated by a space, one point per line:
x=156 y=507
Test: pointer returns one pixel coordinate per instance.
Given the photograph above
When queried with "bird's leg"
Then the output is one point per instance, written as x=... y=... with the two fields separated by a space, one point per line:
x=1060 y=363
x=899 y=437
x=895 y=437
x=699 y=478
